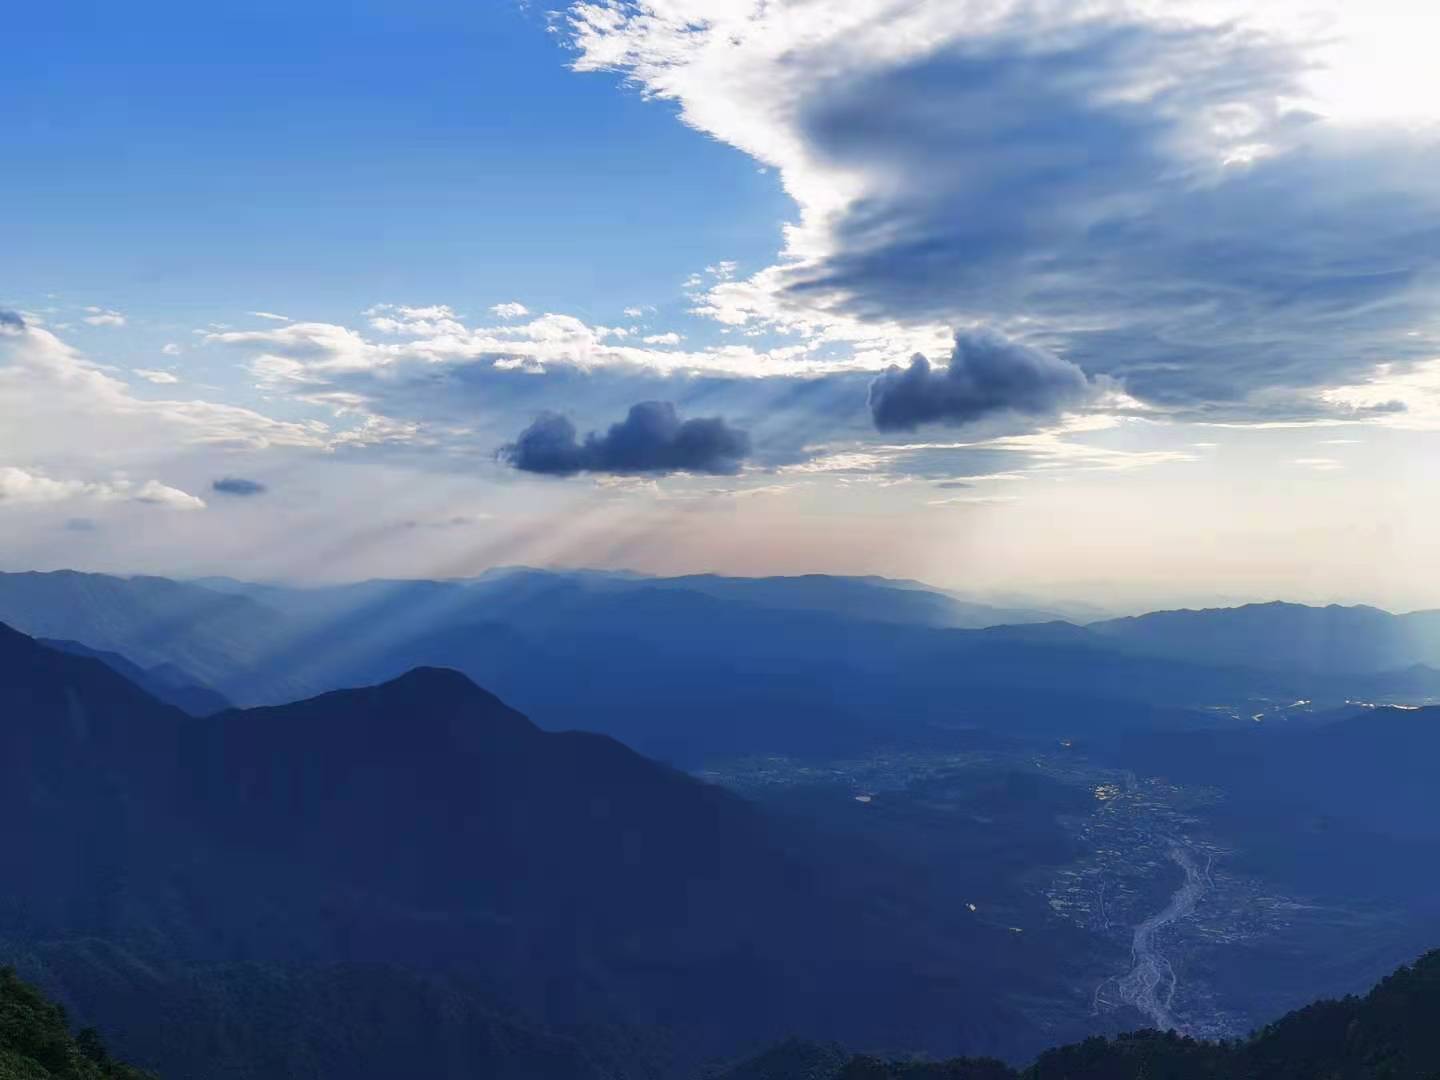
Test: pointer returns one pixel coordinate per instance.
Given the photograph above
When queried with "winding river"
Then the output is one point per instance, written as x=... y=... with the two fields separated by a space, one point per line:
x=1150 y=984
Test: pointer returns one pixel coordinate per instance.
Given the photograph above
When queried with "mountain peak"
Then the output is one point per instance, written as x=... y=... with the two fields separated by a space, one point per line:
x=437 y=680
x=435 y=699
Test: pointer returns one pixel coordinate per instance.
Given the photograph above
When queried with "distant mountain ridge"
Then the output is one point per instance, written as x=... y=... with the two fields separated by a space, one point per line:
x=153 y=621
x=165 y=681
x=777 y=665
x=1281 y=636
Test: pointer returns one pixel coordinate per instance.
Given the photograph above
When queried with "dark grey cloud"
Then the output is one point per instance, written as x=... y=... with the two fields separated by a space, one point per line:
x=651 y=439
x=11 y=319
x=986 y=374
x=459 y=521
x=238 y=485
x=1380 y=408
x=82 y=524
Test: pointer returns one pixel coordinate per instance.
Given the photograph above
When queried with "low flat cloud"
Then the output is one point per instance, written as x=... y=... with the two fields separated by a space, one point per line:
x=104 y=317
x=986 y=374
x=19 y=485
x=651 y=439
x=238 y=485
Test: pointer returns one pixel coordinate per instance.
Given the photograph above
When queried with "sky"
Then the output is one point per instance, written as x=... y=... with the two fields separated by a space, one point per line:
x=1131 y=302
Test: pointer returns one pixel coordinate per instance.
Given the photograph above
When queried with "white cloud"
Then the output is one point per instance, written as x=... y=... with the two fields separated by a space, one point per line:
x=23 y=486
x=974 y=500
x=405 y=319
x=102 y=317
x=512 y=310
x=55 y=402
x=314 y=354
x=1393 y=395
x=1068 y=446
x=171 y=349
x=1174 y=193
x=671 y=338
x=160 y=378
x=271 y=316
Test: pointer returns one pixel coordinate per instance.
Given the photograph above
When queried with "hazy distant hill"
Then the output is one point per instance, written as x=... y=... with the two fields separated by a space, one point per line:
x=165 y=681
x=688 y=668
x=681 y=671
x=873 y=598
x=683 y=674
x=860 y=598
x=154 y=621
x=1285 y=637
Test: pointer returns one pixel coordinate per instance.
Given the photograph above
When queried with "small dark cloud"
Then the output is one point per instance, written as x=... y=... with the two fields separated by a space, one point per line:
x=460 y=521
x=951 y=484
x=986 y=374
x=11 y=319
x=238 y=485
x=651 y=439
x=82 y=524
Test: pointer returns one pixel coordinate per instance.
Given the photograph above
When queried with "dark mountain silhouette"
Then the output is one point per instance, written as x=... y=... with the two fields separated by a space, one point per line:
x=423 y=829
x=1389 y=1033
x=166 y=682
x=343 y=1020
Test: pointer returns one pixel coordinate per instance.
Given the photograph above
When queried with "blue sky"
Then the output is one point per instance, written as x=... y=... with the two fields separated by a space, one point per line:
x=644 y=284
x=196 y=162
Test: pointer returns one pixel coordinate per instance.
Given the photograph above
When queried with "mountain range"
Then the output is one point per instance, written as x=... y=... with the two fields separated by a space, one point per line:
x=376 y=846
x=689 y=668
x=420 y=841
